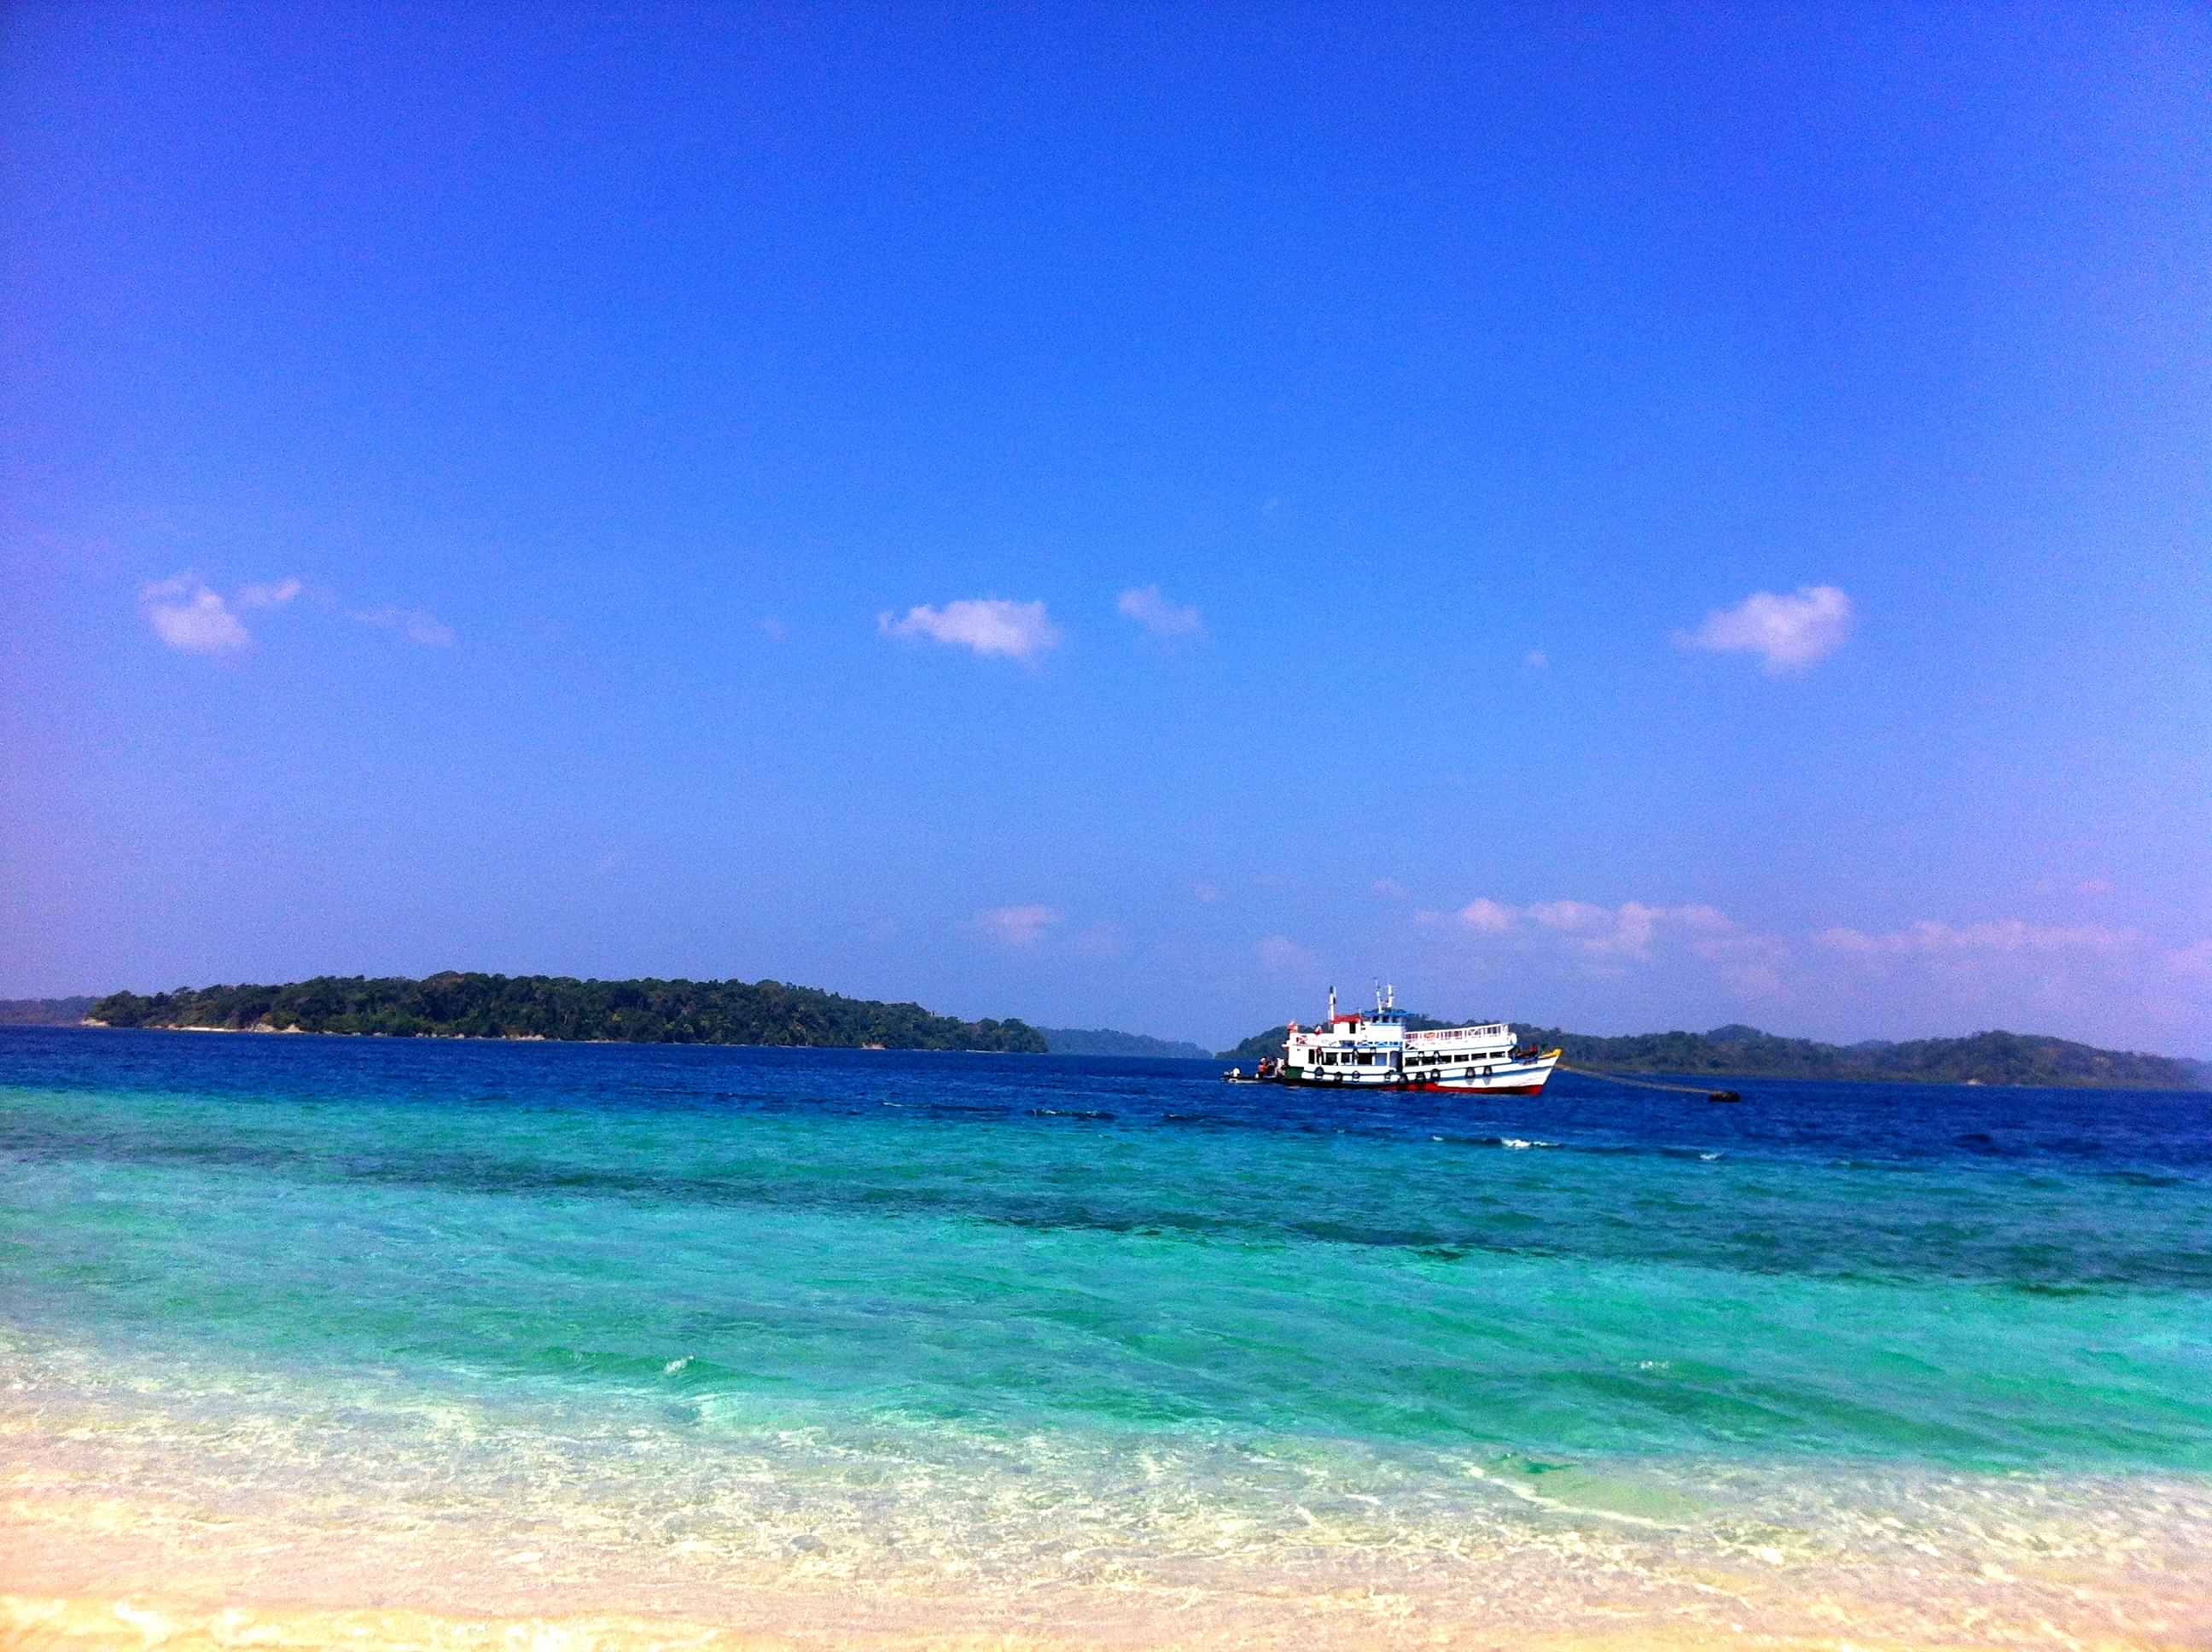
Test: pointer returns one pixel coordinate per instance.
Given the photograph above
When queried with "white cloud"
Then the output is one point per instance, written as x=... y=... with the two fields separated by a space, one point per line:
x=2093 y=886
x=1389 y=889
x=988 y=625
x=1014 y=926
x=772 y=629
x=2194 y=961
x=1996 y=936
x=1284 y=955
x=187 y=615
x=1790 y=633
x=269 y=596
x=1486 y=917
x=1575 y=917
x=1163 y=618
x=1207 y=893
x=1627 y=931
x=1537 y=660
x=414 y=624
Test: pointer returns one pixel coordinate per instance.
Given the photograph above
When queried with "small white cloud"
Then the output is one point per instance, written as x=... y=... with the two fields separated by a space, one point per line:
x=1537 y=660
x=275 y=595
x=2093 y=886
x=1486 y=917
x=1575 y=917
x=772 y=629
x=1389 y=889
x=176 y=586
x=1788 y=632
x=1208 y=893
x=1633 y=923
x=187 y=615
x=988 y=625
x=2193 y=962
x=1628 y=930
x=1163 y=618
x=1613 y=937
x=414 y=624
x=1284 y=955
x=1014 y=926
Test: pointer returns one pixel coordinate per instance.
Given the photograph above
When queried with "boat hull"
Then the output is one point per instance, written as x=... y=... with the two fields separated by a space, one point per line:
x=1528 y=1088
x=1481 y=1089
x=1528 y=1080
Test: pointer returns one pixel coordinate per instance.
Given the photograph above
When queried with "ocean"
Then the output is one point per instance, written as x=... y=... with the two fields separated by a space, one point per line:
x=840 y=1346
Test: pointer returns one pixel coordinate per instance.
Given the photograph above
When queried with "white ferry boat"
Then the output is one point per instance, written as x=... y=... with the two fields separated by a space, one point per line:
x=1377 y=1049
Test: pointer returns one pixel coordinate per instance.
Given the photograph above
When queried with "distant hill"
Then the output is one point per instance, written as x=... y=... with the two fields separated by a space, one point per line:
x=43 y=1011
x=1101 y=1040
x=454 y=1005
x=1989 y=1057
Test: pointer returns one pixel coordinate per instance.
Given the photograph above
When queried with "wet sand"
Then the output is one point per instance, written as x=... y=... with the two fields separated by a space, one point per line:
x=180 y=1571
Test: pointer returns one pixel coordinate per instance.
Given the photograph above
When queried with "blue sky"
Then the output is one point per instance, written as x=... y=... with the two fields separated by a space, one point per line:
x=1120 y=516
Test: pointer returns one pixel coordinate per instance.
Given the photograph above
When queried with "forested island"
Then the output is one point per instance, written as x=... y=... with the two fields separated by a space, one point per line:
x=1104 y=1040
x=1989 y=1057
x=453 y=1005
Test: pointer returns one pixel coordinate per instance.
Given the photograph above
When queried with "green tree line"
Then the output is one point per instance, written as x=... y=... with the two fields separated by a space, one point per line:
x=472 y=1006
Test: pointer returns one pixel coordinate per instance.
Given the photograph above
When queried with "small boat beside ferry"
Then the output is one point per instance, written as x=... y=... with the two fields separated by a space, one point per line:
x=1376 y=1050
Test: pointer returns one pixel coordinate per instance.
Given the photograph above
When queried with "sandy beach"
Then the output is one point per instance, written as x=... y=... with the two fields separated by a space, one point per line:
x=103 y=1545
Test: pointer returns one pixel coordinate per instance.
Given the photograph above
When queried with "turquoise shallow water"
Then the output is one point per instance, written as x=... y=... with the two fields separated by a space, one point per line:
x=936 y=1304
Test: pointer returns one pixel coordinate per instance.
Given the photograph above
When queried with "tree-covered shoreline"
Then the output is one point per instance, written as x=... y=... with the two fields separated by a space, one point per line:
x=454 y=1005
x=1104 y=1040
